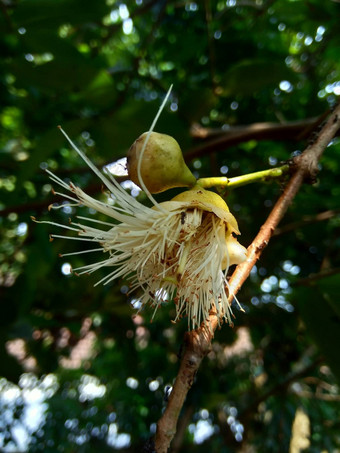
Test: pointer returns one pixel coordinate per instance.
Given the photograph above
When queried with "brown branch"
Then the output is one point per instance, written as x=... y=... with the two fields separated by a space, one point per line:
x=197 y=346
x=317 y=396
x=294 y=130
x=315 y=277
x=198 y=342
x=220 y=140
x=307 y=220
x=278 y=388
x=289 y=129
x=35 y=207
x=247 y=412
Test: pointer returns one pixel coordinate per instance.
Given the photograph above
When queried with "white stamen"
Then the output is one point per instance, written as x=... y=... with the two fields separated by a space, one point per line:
x=88 y=219
x=173 y=250
x=81 y=252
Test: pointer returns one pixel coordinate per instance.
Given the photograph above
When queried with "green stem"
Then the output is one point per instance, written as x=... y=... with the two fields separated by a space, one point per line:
x=258 y=176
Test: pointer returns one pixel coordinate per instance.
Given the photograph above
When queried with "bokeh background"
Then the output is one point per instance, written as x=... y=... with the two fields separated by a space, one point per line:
x=78 y=372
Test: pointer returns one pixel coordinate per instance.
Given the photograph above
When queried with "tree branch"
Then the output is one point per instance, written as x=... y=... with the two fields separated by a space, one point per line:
x=197 y=346
x=278 y=388
x=317 y=396
x=291 y=129
x=198 y=342
x=307 y=220
x=294 y=130
x=34 y=207
x=315 y=277
x=219 y=140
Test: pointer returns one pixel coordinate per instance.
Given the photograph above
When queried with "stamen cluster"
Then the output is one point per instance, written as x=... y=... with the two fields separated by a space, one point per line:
x=178 y=250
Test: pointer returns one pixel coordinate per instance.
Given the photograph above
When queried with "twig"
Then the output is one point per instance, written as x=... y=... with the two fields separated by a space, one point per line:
x=238 y=181
x=260 y=131
x=38 y=206
x=315 y=277
x=289 y=130
x=231 y=183
x=317 y=396
x=307 y=220
x=198 y=342
x=278 y=388
x=247 y=412
x=294 y=131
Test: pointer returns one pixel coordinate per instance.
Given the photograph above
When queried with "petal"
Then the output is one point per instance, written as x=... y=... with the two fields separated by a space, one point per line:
x=237 y=253
x=205 y=200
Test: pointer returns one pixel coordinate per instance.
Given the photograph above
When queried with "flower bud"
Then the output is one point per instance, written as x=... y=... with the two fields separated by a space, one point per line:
x=162 y=167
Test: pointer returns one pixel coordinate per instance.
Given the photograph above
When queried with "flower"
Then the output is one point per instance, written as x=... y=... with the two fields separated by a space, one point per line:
x=177 y=250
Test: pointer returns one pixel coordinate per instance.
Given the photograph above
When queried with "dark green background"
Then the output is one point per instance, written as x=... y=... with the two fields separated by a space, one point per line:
x=69 y=62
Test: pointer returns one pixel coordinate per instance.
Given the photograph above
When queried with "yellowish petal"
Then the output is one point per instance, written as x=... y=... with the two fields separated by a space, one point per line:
x=237 y=253
x=205 y=200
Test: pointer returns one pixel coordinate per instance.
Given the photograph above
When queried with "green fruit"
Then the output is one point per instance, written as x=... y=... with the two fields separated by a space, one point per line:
x=162 y=165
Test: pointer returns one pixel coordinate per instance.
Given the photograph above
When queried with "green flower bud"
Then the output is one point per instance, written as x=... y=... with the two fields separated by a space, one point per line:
x=162 y=165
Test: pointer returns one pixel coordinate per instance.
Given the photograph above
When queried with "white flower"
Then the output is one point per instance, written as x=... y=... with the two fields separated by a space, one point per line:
x=179 y=250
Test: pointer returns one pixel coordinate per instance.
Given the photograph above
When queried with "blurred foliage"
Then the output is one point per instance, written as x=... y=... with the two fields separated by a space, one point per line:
x=80 y=374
